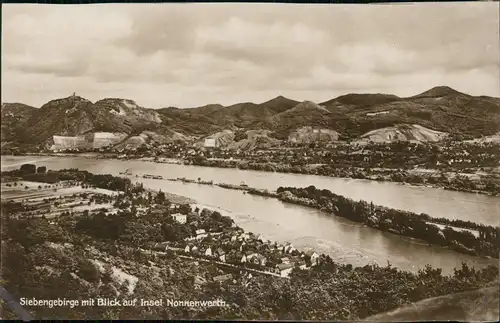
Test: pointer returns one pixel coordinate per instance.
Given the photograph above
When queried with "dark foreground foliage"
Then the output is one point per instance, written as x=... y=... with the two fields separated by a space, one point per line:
x=50 y=261
x=56 y=259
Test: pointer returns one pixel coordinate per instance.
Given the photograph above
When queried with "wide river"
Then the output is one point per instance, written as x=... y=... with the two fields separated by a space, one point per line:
x=343 y=240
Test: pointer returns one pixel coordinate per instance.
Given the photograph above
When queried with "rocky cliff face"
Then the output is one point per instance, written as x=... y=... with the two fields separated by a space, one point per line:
x=402 y=132
x=75 y=122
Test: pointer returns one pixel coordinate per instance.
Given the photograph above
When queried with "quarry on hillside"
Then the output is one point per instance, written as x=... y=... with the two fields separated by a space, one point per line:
x=309 y=134
x=402 y=132
x=252 y=139
x=487 y=139
x=119 y=140
x=129 y=109
x=93 y=140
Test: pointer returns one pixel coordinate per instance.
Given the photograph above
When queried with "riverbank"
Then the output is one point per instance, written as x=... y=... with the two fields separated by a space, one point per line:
x=416 y=177
x=461 y=236
x=435 y=202
x=59 y=258
x=477 y=183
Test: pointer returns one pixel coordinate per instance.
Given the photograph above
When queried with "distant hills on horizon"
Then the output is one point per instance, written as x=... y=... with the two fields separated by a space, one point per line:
x=440 y=109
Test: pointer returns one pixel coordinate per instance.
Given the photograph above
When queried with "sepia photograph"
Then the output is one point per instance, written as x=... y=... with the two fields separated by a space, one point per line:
x=250 y=161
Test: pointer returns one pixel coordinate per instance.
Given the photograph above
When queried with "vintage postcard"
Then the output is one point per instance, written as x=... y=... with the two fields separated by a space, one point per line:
x=250 y=161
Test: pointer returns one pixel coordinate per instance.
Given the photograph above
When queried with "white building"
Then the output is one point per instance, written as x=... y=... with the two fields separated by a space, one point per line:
x=314 y=259
x=201 y=233
x=210 y=143
x=285 y=260
x=208 y=252
x=181 y=218
x=285 y=269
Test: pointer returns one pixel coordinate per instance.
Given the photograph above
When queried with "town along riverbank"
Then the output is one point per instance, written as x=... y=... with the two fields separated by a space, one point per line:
x=344 y=241
x=464 y=237
x=469 y=182
x=483 y=184
x=83 y=255
x=435 y=202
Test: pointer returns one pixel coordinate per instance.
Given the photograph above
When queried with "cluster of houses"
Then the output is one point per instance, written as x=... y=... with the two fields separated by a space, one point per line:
x=242 y=249
x=245 y=279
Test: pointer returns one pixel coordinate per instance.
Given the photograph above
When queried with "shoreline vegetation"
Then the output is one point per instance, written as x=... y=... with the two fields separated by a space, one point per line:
x=460 y=183
x=457 y=235
x=102 y=254
x=424 y=177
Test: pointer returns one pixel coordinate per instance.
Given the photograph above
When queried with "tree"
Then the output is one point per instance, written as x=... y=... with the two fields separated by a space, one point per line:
x=41 y=170
x=28 y=169
x=169 y=232
x=107 y=276
x=160 y=198
x=185 y=209
x=89 y=271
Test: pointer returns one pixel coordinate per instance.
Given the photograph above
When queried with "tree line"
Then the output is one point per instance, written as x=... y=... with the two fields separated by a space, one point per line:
x=30 y=172
x=406 y=223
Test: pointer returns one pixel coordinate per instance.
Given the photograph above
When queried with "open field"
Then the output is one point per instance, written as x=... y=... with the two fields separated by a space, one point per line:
x=35 y=190
x=51 y=201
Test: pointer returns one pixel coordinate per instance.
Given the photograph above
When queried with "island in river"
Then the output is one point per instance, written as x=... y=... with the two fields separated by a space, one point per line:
x=140 y=245
x=343 y=240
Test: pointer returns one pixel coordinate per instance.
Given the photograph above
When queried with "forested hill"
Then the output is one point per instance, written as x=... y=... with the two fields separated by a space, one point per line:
x=440 y=110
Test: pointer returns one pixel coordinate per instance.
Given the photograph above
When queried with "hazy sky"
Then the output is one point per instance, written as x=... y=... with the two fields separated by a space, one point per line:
x=189 y=55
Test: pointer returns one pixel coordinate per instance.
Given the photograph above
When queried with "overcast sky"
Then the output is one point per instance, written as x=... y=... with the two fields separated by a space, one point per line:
x=188 y=55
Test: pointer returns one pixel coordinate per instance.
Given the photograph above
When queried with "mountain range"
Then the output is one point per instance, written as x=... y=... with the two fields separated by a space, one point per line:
x=351 y=116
